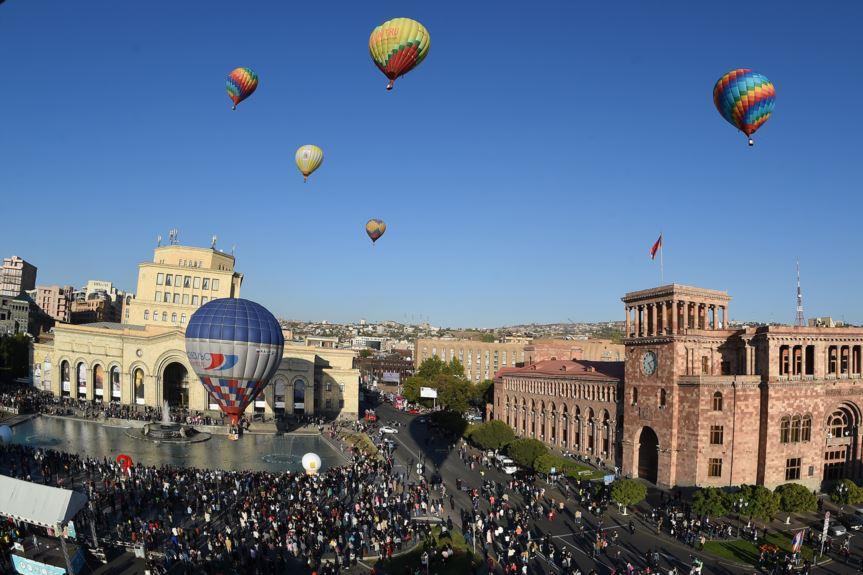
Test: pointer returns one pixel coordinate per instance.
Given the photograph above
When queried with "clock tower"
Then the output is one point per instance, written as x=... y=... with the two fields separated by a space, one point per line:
x=677 y=340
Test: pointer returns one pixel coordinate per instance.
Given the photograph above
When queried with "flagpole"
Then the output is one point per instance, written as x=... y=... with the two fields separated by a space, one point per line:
x=661 y=270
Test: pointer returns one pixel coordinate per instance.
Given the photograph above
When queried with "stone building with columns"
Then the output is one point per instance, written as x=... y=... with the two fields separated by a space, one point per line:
x=566 y=403
x=707 y=405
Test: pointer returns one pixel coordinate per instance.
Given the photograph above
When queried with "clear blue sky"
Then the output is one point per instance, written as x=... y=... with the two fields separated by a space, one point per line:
x=524 y=169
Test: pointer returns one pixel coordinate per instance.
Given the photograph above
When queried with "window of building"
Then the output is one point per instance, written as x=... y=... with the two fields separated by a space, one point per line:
x=831 y=359
x=342 y=387
x=662 y=398
x=194 y=300
x=167 y=298
x=160 y=279
x=714 y=467
x=174 y=317
x=155 y=315
x=182 y=318
x=785 y=430
x=158 y=296
x=164 y=316
x=204 y=300
x=806 y=429
x=146 y=314
x=138 y=378
x=169 y=280
x=328 y=386
x=176 y=298
x=215 y=284
x=717 y=401
x=341 y=403
x=196 y=283
x=792 y=469
x=705 y=365
x=329 y=403
x=206 y=283
x=716 y=434
x=186 y=299
x=187 y=281
x=634 y=396
x=795 y=429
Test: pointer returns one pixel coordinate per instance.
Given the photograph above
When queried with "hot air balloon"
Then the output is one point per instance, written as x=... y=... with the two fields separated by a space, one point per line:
x=745 y=99
x=311 y=463
x=242 y=82
x=5 y=433
x=375 y=229
x=309 y=158
x=398 y=46
x=234 y=346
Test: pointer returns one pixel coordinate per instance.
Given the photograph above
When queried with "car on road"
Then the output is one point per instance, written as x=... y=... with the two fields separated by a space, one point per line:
x=836 y=529
x=414 y=411
x=388 y=429
x=472 y=417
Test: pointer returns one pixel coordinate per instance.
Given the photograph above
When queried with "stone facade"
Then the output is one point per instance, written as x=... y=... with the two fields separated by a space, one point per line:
x=146 y=365
x=707 y=405
x=573 y=405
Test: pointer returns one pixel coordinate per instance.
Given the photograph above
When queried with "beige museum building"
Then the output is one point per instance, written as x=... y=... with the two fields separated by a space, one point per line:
x=142 y=361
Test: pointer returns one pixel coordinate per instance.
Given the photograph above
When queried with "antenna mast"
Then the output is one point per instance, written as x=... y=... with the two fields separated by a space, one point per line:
x=800 y=320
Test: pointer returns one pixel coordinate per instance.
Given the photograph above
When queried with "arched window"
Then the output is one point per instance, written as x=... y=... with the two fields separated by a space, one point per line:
x=837 y=423
x=138 y=378
x=174 y=317
x=182 y=318
x=806 y=429
x=115 y=382
x=155 y=315
x=634 y=396
x=795 y=429
x=717 y=401
x=81 y=372
x=146 y=314
x=662 y=398
x=164 y=316
x=65 y=379
x=99 y=382
x=785 y=430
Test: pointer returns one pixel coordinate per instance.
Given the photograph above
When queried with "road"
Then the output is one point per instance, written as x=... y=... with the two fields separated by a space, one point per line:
x=414 y=441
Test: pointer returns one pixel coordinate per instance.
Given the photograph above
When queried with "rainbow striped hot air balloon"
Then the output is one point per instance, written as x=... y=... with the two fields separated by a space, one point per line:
x=745 y=99
x=309 y=158
x=375 y=229
x=234 y=346
x=398 y=46
x=242 y=82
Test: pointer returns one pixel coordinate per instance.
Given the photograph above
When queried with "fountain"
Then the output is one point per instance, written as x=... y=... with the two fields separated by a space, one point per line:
x=169 y=432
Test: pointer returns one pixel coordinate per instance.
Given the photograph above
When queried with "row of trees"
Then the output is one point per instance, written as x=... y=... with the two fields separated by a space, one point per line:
x=754 y=501
x=14 y=356
x=454 y=391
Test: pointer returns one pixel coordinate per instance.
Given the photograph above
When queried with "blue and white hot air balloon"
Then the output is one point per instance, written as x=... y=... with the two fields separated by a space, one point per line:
x=234 y=346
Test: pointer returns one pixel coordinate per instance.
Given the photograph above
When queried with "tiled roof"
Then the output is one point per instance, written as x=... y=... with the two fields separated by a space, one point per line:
x=599 y=370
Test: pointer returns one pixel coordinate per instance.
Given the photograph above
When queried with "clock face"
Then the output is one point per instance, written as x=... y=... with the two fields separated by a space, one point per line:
x=648 y=363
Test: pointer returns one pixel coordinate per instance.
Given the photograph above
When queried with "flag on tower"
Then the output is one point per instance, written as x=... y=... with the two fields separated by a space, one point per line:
x=656 y=247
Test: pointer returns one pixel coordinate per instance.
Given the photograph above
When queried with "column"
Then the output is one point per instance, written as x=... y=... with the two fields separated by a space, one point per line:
x=674 y=311
x=626 y=334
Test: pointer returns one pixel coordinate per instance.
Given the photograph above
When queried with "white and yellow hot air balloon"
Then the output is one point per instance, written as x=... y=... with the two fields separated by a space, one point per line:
x=311 y=463
x=309 y=158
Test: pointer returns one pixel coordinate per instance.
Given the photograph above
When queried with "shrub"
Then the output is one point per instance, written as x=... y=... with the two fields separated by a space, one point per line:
x=710 y=502
x=544 y=464
x=846 y=492
x=525 y=451
x=793 y=497
x=628 y=492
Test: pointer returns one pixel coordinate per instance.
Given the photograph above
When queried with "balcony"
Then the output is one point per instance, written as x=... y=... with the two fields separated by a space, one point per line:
x=719 y=379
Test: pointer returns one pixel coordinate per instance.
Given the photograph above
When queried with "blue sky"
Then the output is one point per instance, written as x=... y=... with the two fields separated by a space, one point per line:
x=524 y=169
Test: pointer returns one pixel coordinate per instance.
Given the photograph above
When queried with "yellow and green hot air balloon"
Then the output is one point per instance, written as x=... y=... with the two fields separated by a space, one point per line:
x=398 y=46
x=375 y=228
x=309 y=158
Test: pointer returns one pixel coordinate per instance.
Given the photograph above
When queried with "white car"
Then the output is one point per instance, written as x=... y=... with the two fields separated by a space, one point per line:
x=388 y=429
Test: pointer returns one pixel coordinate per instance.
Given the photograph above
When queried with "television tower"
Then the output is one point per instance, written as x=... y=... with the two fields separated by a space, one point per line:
x=800 y=320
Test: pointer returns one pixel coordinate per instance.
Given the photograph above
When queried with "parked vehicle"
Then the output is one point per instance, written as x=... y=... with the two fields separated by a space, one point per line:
x=371 y=416
x=388 y=429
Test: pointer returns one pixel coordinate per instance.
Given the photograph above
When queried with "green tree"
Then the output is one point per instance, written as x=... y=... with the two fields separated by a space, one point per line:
x=484 y=392
x=411 y=388
x=710 y=502
x=545 y=463
x=525 y=451
x=761 y=502
x=365 y=353
x=794 y=498
x=431 y=368
x=487 y=338
x=493 y=434
x=627 y=492
x=846 y=492
x=14 y=356
x=454 y=393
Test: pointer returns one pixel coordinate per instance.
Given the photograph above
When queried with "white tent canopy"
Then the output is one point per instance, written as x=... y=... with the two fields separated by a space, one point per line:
x=38 y=504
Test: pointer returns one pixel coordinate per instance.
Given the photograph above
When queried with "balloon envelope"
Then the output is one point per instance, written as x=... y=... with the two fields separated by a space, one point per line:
x=124 y=461
x=375 y=229
x=242 y=82
x=311 y=463
x=745 y=99
x=309 y=158
x=398 y=46
x=5 y=433
x=234 y=346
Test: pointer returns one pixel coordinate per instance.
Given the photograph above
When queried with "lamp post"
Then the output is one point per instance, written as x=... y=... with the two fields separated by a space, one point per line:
x=740 y=506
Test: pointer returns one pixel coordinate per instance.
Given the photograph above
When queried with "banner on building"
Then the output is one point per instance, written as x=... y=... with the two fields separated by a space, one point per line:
x=392 y=377
x=428 y=392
